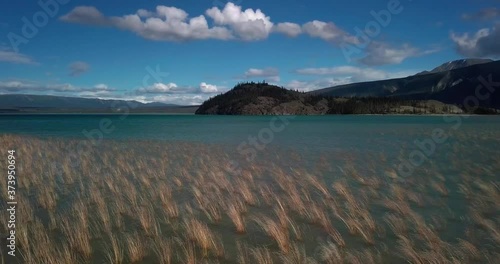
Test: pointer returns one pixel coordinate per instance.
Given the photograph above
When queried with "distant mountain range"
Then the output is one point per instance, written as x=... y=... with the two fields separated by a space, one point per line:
x=22 y=103
x=457 y=64
x=449 y=83
x=435 y=90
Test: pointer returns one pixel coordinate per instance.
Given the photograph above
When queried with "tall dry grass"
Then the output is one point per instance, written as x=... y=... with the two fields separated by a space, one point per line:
x=261 y=255
x=276 y=231
x=201 y=234
x=115 y=252
x=236 y=216
x=136 y=247
x=136 y=187
x=163 y=250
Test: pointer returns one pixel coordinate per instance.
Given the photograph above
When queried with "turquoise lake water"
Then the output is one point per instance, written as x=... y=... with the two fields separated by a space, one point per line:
x=314 y=131
x=391 y=136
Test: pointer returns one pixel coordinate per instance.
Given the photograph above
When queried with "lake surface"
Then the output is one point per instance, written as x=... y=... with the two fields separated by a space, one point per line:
x=313 y=131
x=393 y=137
x=440 y=167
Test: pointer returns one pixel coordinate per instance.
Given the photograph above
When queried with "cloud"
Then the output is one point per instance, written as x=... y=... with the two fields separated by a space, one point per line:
x=248 y=25
x=340 y=76
x=183 y=99
x=166 y=23
x=188 y=99
x=358 y=73
x=311 y=85
x=191 y=96
x=172 y=88
x=229 y=23
x=327 y=31
x=159 y=88
x=21 y=86
x=484 y=14
x=208 y=88
x=101 y=87
x=87 y=15
x=483 y=43
x=379 y=53
x=289 y=29
x=77 y=68
x=270 y=74
x=16 y=58
x=252 y=72
x=351 y=74
x=95 y=94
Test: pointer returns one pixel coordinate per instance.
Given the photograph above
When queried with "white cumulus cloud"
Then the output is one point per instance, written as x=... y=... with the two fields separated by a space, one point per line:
x=248 y=24
x=288 y=29
x=165 y=23
x=208 y=88
x=159 y=88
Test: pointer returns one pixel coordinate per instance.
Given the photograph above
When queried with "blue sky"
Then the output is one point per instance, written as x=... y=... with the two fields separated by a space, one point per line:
x=186 y=51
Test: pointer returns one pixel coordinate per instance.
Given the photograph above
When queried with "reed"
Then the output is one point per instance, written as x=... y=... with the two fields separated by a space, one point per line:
x=172 y=209
x=469 y=251
x=117 y=218
x=246 y=192
x=261 y=255
x=105 y=219
x=199 y=233
x=331 y=254
x=78 y=236
x=242 y=255
x=189 y=252
x=237 y=219
x=47 y=198
x=52 y=220
x=319 y=217
x=296 y=255
x=276 y=231
x=213 y=212
x=407 y=249
x=440 y=187
x=125 y=188
x=114 y=251
x=319 y=185
x=147 y=220
x=364 y=256
x=296 y=202
x=27 y=256
x=163 y=250
x=23 y=238
x=136 y=250
x=397 y=225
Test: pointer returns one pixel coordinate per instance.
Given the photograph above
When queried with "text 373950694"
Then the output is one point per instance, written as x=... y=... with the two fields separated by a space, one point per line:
x=11 y=202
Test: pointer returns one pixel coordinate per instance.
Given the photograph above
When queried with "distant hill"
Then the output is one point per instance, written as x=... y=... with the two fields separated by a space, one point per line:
x=22 y=103
x=257 y=99
x=448 y=86
x=265 y=99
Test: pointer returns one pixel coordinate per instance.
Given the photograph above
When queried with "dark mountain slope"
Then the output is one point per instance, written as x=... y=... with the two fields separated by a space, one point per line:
x=451 y=87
